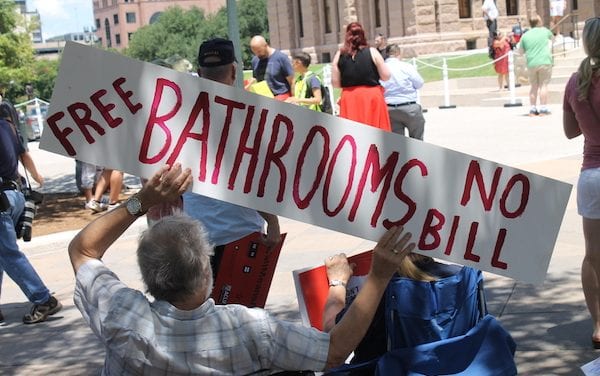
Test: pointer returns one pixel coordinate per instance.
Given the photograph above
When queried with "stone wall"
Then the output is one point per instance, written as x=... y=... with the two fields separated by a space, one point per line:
x=422 y=26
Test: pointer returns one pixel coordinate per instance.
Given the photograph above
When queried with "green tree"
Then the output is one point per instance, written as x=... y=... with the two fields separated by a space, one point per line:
x=180 y=32
x=252 y=15
x=176 y=32
x=44 y=75
x=16 y=52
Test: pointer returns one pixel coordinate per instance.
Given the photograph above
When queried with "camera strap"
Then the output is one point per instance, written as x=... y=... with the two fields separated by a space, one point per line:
x=28 y=187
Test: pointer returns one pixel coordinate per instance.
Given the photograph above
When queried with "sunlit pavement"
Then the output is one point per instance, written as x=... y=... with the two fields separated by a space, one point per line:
x=549 y=322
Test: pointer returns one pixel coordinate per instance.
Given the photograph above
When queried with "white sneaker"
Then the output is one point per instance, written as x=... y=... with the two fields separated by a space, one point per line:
x=113 y=206
x=95 y=206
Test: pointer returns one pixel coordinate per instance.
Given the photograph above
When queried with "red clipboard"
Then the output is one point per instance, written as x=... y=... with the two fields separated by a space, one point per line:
x=246 y=271
x=312 y=287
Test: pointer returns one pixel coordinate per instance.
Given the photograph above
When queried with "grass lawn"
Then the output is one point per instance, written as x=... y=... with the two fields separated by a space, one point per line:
x=430 y=68
x=464 y=62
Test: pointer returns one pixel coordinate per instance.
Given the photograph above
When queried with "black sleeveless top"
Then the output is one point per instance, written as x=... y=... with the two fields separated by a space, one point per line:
x=360 y=71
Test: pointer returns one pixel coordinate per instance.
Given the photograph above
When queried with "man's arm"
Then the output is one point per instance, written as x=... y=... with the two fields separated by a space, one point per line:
x=415 y=77
x=30 y=166
x=91 y=242
x=387 y=257
x=273 y=232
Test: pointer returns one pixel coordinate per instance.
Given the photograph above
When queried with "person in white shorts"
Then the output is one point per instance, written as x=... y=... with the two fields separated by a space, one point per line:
x=88 y=178
x=557 y=10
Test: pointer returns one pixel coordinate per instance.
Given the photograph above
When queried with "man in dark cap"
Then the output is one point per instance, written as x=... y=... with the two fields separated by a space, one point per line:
x=224 y=222
x=182 y=331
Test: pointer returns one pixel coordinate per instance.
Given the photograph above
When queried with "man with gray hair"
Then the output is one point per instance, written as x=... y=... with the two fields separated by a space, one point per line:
x=400 y=93
x=182 y=331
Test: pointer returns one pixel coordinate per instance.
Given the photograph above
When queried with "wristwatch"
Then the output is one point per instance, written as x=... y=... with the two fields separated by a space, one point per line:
x=134 y=206
x=336 y=282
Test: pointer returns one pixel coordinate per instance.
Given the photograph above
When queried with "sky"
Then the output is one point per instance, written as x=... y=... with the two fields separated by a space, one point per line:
x=63 y=16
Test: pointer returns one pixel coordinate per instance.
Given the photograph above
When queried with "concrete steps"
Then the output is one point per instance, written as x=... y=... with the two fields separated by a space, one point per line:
x=483 y=91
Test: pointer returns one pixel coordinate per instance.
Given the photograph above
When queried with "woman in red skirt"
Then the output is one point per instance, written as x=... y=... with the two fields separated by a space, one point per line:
x=357 y=69
x=501 y=47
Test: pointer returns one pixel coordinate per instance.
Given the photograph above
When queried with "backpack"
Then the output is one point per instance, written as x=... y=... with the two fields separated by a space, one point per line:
x=325 y=105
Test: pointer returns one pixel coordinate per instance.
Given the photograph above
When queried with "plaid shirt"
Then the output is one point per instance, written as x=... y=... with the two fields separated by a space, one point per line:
x=143 y=337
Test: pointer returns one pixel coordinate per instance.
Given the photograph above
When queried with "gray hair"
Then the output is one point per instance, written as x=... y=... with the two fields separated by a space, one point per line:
x=174 y=258
x=393 y=50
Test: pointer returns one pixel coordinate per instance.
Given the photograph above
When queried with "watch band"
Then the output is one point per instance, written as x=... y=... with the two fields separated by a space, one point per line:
x=337 y=282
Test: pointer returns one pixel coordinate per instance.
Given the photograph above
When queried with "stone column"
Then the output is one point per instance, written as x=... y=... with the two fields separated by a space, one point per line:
x=350 y=13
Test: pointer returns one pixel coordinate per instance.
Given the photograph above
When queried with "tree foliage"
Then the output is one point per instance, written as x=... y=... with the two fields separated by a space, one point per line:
x=180 y=32
x=176 y=32
x=16 y=52
x=252 y=15
x=44 y=75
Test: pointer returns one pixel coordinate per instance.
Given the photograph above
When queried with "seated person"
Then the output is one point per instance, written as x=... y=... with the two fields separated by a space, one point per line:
x=432 y=321
x=182 y=331
x=415 y=267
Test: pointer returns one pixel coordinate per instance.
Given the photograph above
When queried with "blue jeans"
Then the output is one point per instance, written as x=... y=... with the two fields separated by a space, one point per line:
x=12 y=260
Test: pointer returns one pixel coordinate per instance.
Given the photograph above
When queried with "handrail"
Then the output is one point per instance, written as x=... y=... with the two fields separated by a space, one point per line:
x=563 y=19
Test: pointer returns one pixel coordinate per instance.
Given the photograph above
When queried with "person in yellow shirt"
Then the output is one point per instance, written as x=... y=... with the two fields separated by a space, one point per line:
x=307 y=86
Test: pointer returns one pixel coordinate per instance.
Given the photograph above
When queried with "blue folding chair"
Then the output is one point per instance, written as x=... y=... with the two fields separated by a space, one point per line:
x=436 y=328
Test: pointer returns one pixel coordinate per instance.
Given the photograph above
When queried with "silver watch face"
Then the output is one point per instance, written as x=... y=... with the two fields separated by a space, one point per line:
x=134 y=206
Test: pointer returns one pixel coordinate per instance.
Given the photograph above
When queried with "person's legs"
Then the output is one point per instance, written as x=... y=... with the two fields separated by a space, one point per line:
x=101 y=185
x=588 y=206
x=88 y=173
x=414 y=120
x=545 y=74
x=492 y=28
x=396 y=120
x=590 y=272
x=116 y=184
x=12 y=260
x=533 y=90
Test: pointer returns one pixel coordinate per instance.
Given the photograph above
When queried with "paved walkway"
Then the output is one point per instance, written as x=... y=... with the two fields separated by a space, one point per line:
x=549 y=322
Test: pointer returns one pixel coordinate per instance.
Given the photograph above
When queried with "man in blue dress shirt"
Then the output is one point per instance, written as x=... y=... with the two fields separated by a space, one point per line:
x=401 y=95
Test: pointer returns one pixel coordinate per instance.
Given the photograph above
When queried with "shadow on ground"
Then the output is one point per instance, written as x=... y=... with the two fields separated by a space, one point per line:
x=23 y=352
x=550 y=323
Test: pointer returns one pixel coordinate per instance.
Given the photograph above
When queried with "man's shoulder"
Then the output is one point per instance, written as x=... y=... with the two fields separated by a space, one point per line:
x=278 y=55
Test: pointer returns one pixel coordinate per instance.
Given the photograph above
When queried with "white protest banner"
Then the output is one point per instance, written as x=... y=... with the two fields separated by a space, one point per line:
x=253 y=151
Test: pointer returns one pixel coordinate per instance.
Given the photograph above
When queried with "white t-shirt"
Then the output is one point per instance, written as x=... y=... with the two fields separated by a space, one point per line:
x=557 y=8
x=490 y=10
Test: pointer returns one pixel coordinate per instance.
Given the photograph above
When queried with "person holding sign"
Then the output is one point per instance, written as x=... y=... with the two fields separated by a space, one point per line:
x=225 y=222
x=582 y=98
x=272 y=66
x=357 y=69
x=182 y=331
x=307 y=87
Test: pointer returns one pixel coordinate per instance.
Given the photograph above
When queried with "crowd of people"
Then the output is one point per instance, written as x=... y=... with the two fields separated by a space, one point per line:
x=181 y=330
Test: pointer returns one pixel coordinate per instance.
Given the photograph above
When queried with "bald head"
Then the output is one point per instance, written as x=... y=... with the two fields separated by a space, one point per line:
x=260 y=47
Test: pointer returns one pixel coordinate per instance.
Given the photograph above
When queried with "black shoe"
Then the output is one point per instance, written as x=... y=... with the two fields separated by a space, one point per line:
x=40 y=312
x=1 y=317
